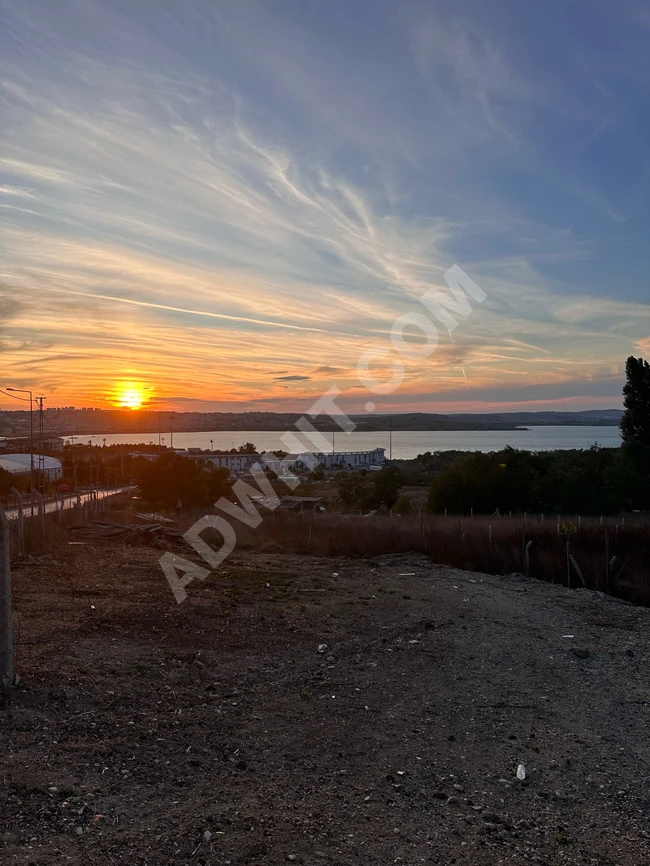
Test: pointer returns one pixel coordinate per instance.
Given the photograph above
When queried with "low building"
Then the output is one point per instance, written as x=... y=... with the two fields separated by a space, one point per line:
x=232 y=462
x=291 y=464
x=56 y=444
x=301 y=503
x=20 y=465
x=296 y=463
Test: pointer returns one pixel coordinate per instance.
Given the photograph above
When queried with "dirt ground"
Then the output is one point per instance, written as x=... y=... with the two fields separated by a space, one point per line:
x=321 y=711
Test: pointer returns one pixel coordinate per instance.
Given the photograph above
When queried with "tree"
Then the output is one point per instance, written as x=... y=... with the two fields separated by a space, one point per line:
x=247 y=448
x=635 y=423
x=355 y=490
x=171 y=478
x=7 y=481
x=387 y=483
x=216 y=478
x=365 y=490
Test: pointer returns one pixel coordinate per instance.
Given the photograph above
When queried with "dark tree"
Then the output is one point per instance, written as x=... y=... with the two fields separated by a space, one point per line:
x=635 y=423
x=173 y=477
x=7 y=481
x=365 y=490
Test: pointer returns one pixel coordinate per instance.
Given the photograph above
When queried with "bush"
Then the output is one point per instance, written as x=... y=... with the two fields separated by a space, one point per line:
x=173 y=478
x=403 y=505
x=370 y=490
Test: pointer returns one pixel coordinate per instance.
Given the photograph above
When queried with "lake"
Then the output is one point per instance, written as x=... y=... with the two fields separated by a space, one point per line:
x=405 y=445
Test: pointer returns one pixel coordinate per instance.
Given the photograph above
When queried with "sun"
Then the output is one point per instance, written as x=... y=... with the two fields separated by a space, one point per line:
x=131 y=399
x=130 y=396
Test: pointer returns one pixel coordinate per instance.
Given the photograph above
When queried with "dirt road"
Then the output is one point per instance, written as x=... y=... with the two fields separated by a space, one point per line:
x=322 y=711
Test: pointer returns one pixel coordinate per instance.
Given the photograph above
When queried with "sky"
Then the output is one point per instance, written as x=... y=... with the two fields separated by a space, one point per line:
x=222 y=205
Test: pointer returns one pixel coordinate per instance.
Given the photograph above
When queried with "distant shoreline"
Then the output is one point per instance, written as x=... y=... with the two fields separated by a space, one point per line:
x=468 y=428
x=145 y=422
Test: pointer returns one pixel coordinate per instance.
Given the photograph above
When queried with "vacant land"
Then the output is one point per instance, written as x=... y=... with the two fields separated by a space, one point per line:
x=321 y=711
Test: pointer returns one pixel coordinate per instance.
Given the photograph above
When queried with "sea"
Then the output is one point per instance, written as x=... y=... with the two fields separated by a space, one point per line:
x=402 y=445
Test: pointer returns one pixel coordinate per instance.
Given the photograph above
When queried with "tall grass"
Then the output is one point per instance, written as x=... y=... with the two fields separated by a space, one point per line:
x=611 y=558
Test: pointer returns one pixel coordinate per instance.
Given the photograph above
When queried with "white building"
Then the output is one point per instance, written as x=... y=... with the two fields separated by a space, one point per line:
x=232 y=462
x=292 y=463
x=20 y=464
x=307 y=462
x=298 y=462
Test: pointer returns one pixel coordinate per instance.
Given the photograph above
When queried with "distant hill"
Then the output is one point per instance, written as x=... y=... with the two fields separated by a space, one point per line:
x=491 y=421
x=97 y=421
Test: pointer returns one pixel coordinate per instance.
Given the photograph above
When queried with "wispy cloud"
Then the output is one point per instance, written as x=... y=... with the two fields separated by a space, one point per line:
x=194 y=199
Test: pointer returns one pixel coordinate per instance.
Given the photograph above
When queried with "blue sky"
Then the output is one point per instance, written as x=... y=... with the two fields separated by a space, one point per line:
x=201 y=199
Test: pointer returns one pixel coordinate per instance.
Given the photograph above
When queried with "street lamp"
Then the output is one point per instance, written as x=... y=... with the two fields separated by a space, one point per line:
x=31 y=440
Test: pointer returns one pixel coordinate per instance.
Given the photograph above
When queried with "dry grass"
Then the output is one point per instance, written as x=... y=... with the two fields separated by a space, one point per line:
x=39 y=540
x=490 y=545
x=611 y=557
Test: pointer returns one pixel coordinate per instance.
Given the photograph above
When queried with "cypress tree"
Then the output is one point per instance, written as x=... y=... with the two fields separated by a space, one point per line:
x=635 y=423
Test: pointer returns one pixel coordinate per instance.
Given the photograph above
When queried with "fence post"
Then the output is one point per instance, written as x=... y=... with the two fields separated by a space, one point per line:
x=607 y=562
x=41 y=512
x=21 y=522
x=527 y=557
x=572 y=559
x=6 y=636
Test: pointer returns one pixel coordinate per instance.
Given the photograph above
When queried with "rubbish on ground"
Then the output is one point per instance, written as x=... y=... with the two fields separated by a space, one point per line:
x=101 y=529
x=322 y=647
x=157 y=517
x=521 y=772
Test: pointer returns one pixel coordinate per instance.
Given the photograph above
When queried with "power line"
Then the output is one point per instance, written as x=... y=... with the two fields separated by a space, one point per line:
x=13 y=396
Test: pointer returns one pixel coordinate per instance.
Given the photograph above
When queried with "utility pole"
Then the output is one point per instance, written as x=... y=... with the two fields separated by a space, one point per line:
x=74 y=466
x=171 y=432
x=6 y=626
x=390 y=437
x=31 y=441
x=41 y=455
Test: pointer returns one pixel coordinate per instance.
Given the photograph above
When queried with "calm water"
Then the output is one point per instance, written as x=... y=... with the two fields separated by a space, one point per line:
x=405 y=444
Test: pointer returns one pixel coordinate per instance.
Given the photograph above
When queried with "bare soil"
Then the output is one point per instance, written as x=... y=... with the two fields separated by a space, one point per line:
x=216 y=732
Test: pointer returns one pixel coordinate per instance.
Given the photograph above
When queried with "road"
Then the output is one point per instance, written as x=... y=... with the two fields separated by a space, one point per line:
x=68 y=502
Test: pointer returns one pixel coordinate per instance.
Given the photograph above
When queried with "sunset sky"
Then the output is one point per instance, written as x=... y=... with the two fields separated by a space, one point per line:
x=221 y=204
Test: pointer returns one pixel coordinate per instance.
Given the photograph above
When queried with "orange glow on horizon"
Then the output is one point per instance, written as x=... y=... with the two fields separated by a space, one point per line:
x=130 y=395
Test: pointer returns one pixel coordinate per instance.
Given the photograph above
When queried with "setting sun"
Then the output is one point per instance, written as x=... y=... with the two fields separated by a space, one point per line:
x=130 y=396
